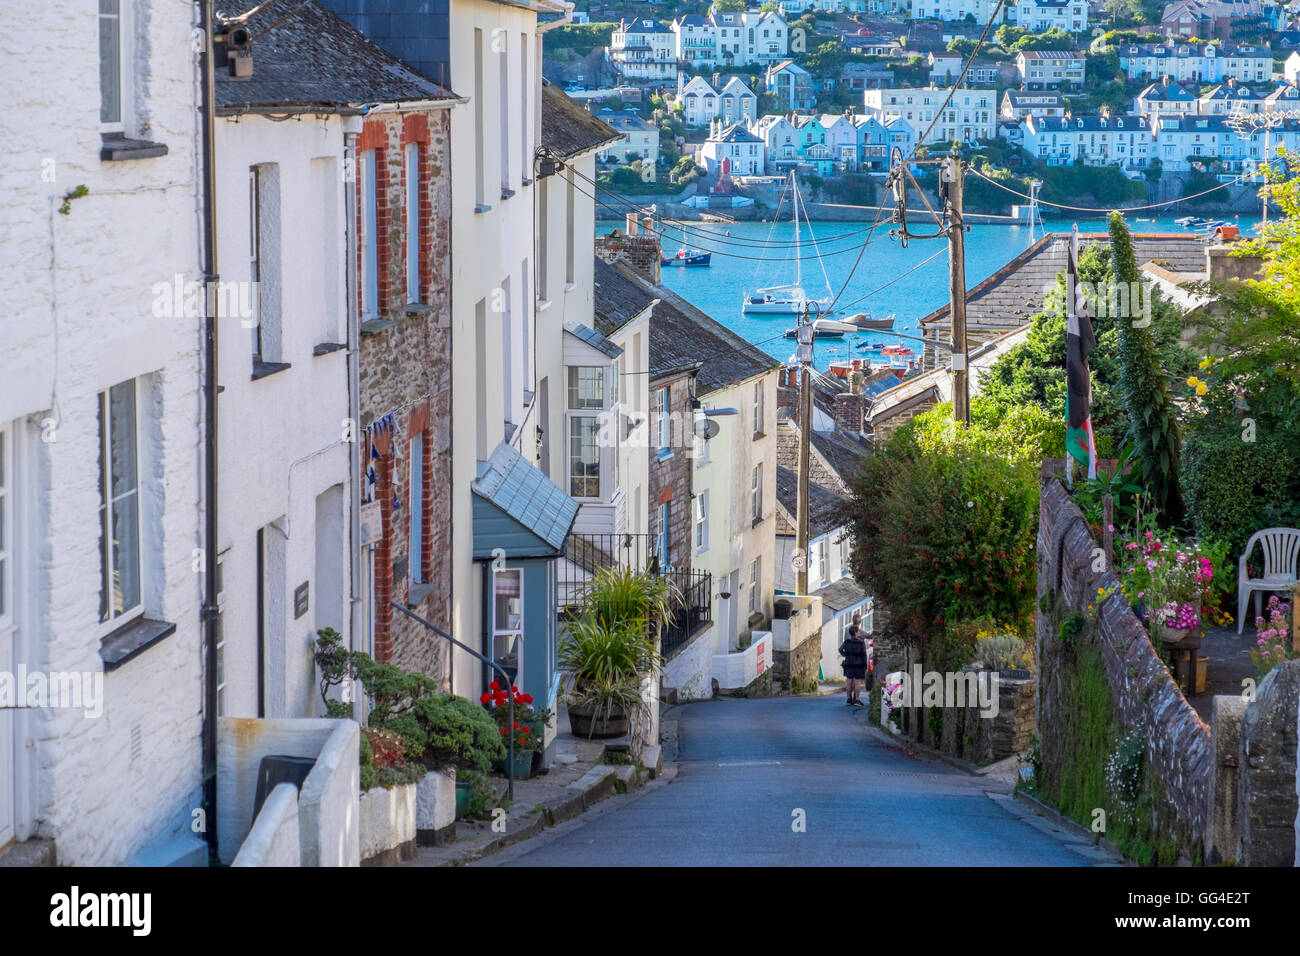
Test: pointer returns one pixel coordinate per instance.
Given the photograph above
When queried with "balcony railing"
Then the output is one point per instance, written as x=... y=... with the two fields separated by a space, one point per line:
x=691 y=591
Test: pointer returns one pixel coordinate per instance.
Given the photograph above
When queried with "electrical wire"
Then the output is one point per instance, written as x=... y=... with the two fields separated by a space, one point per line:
x=961 y=78
x=1057 y=205
x=680 y=224
x=733 y=255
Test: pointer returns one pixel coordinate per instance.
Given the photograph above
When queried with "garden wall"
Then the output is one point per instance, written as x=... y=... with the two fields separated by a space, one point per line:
x=273 y=841
x=327 y=806
x=688 y=673
x=1112 y=659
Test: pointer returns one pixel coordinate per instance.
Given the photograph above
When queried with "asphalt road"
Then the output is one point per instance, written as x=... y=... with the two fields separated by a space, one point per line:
x=748 y=771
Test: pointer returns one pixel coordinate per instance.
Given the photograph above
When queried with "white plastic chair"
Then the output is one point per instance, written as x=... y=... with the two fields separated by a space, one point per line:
x=1281 y=546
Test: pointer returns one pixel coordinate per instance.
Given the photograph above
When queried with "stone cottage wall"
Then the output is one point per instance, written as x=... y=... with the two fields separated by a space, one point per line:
x=405 y=372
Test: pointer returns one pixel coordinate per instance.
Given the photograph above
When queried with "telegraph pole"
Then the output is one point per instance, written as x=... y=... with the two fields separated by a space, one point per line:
x=805 y=340
x=951 y=193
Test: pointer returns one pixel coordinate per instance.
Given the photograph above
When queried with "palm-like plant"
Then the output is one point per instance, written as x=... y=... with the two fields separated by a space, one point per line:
x=611 y=647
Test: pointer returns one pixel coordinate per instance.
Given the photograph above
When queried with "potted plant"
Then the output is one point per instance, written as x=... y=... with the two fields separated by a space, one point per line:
x=610 y=649
x=528 y=727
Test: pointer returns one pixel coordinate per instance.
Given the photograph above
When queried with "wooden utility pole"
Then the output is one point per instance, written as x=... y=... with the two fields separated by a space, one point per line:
x=951 y=184
x=805 y=340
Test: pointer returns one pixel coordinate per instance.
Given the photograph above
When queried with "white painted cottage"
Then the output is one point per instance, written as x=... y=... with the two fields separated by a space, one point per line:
x=99 y=441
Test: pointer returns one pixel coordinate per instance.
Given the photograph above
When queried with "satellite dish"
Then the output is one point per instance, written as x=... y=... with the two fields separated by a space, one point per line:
x=706 y=428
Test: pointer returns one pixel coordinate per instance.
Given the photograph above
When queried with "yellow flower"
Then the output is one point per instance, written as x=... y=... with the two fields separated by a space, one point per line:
x=1192 y=381
x=1201 y=388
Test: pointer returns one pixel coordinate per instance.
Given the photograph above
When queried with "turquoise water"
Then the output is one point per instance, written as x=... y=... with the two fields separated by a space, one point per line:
x=743 y=260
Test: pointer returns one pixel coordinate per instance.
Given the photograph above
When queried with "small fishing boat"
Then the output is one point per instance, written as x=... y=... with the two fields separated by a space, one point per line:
x=688 y=257
x=1192 y=222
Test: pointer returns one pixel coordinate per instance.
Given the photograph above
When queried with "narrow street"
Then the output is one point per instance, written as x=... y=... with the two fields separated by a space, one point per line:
x=746 y=766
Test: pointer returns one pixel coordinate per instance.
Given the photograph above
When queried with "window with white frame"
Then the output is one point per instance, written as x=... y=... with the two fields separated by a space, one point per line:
x=756 y=492
x=413 y=223
x=586 y=400
x=508 y=619
x=114 y=63
x=264 y=259
x=755 y=578
x=6 y=527
x=702 y=522
x=369 y=236
x=416 y=510
x=120 y=592
x=758 y=409
x=221 y=636
x=664 y=543
x=665 y=421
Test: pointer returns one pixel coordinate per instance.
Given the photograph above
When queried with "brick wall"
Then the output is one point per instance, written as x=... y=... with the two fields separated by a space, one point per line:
x=642 y=253
x=670 y=479
x=405 y=372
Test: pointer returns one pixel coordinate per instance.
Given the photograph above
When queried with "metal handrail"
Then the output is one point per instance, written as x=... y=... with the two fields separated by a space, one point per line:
x=510 y=757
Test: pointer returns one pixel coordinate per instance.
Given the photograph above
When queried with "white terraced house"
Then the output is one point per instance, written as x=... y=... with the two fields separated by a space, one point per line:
x=1040 y=15
x=969 y=117
x=644 y=49
x=751 y=37
x=1017 y=104
x=1123 y=141
x=1048 y=69
x=953 y=10
x=696 y=43
x=1200 y=63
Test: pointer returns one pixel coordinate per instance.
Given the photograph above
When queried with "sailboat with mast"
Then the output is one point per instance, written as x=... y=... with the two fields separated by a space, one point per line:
x=790 y=299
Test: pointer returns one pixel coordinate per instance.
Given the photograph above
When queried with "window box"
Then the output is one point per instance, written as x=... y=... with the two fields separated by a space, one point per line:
x=266 y=369
x=116 y=148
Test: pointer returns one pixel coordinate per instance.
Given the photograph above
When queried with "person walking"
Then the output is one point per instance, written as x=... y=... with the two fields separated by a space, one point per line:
x=854 y=652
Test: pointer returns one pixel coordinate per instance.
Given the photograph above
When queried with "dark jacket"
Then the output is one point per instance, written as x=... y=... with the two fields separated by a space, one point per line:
x=854 y=651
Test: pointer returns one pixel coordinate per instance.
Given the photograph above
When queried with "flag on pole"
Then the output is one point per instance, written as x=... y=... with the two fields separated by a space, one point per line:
x=1079 y=343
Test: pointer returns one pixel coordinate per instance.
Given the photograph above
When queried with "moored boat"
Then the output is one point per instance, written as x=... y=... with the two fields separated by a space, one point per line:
x=688 y=257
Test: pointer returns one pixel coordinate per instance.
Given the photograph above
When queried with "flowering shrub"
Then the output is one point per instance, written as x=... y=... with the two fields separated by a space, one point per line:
x=1274 y=638
x=1170 y=578
x=527 y=723
x=1123 y=773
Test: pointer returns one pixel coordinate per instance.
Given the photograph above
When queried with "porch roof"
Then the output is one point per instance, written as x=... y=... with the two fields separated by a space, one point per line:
x=518 y=509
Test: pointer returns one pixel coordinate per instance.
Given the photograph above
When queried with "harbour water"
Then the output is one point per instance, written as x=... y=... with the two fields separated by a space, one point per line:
x=891 y=278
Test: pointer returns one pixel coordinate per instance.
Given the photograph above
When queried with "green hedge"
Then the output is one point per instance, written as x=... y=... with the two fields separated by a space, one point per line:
x=1233 y=488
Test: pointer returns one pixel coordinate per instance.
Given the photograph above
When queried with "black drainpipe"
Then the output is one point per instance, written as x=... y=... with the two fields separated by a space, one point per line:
x=210 y=614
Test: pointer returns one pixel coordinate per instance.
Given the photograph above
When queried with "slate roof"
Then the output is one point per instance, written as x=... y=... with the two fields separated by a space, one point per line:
x=834 y=462
x=1092 y=123
x=525 y=494
x=682 y=336
x=824 y=505
x=567 y=128
x=1171 y=92
x=308 y=56
x=841 y=595
x=617 y=300
x=642 y=25
x=593 y=338
x=1014 y=294
x=1028 y=98
x=693 y=20
x=735 y=133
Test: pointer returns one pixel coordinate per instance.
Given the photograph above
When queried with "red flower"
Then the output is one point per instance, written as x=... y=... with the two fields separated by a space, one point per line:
x=528 y=730
x=485 y=698
x=494 y=686
x=527 y=698
x=514 y=690
x=516 y=725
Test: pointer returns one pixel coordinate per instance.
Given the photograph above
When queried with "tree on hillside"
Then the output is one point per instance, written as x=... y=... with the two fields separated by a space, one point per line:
x=730 y=6
x=1052 y=39
x=1008 y=34
x=1144 y=389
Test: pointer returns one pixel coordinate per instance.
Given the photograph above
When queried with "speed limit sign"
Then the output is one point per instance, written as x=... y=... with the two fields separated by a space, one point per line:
x=799 y=560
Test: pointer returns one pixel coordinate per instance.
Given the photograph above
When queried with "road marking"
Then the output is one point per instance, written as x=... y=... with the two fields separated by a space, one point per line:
x=751 y=763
